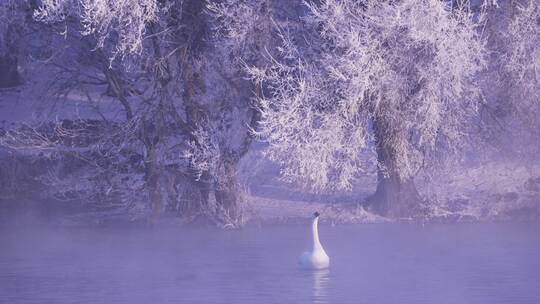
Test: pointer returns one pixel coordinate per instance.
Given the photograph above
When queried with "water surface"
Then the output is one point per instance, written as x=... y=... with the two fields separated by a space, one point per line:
x=380 y=263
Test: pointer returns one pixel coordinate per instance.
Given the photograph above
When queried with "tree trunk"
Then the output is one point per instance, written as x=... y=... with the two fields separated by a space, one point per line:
x=9 y=73
x=227 y=190
x=154 y=187
x=9 y=63
x=394 y=196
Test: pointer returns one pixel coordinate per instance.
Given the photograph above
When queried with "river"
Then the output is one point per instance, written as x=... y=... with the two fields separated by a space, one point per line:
x=370 y=263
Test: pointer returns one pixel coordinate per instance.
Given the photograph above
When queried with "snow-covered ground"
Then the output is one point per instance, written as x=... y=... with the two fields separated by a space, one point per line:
x=268 y=210
x=492 y=190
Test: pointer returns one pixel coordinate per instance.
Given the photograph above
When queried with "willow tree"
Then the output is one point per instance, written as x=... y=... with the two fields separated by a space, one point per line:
x=512 y=82
x=523 y=55
x=177 y=70
x=393 y=76
x=521 y=66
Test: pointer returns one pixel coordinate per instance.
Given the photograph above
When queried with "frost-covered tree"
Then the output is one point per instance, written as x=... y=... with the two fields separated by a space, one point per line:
x=511 y=83
x=119 y=27
x=523 y=57
x=522 y=65
x=393 y=76
x=176 y=69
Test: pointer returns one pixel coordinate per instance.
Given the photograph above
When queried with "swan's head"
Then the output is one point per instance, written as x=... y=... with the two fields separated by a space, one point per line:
x=316 y=214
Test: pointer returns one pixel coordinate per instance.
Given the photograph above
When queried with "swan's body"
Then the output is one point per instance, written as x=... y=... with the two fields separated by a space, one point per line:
x=317 y=258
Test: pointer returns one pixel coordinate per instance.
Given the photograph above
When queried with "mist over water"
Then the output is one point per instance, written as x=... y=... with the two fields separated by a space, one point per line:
x=378 y=263
x=123 y=124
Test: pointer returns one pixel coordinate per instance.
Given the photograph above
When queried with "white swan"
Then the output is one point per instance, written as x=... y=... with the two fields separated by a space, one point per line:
x=317 y=258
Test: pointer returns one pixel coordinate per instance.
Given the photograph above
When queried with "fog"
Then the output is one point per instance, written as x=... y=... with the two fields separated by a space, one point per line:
x=371 y=263
x=184 y=151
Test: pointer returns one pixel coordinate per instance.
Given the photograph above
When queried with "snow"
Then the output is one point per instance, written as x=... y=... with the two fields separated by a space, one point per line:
x=492 y=190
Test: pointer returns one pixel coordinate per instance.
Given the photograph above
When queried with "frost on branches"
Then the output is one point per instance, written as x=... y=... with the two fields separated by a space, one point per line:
x=522 y=67
x=176 y=70
x=512 y=82
x=523 y=60
x=399 y=74
x=124 y=21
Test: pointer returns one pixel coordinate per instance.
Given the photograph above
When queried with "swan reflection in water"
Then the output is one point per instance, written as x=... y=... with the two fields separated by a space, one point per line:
x=321 y=279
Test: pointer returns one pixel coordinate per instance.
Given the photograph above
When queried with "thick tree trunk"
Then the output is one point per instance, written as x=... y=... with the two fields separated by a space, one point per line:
x=227 y=190
x=394 y=196
x=208 y=200
x=9 y=73
x=154 y=187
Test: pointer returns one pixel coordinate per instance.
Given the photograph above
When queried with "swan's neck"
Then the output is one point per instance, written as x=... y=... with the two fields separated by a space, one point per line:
x=316 y=243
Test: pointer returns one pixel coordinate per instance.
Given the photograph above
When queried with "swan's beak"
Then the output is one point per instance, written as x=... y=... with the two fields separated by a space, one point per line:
x=316 y=214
